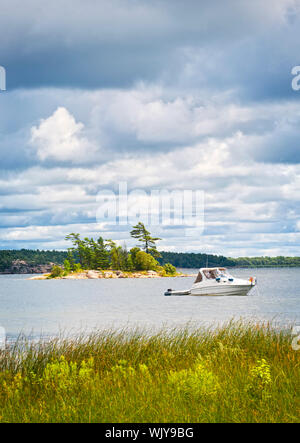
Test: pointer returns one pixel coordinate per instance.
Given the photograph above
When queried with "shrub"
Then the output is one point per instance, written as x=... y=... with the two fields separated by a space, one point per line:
x=67 y=266
x=170 y=269
x=61 y=375
x=77 y=267
x=145 y=262
x=194 y=382
x=133 y=252
x=261 y=379
x=57 y=271
x=161 y=271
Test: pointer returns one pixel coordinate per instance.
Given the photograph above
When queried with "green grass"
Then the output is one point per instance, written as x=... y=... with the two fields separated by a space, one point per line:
x=236 y=373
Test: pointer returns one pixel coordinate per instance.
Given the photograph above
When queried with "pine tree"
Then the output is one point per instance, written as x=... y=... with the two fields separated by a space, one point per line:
x=67 y=266
x=114 y=259
x=140 y=232
x=102 y=254
x=129 y=263
x=70 y=258
x=79 y=245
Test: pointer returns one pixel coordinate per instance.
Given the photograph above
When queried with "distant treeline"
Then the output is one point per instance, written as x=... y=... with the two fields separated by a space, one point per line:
x=32 y=257
x=257 y=262
x=195 y=260
x=177 y=259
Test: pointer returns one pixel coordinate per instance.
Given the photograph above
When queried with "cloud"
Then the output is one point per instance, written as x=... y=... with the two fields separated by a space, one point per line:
x=114 y=43
x=161 y=95
x=153 y=139
x=249 y=206
x=60 y=138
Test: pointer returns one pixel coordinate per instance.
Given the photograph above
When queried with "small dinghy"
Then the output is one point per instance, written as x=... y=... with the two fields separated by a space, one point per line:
x=217 y=281
x=172 y=292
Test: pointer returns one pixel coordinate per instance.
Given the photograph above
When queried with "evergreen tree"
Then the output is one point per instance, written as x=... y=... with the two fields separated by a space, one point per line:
x=102 y=254
x=133 y=252
x=140 y=232
x=67 y=266
x=114 y=259
x=70 y=258
x=79 y=245
x=129 y=263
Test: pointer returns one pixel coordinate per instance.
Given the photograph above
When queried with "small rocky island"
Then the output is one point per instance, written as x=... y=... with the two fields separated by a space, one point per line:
x=98 y=259
x=92 y=274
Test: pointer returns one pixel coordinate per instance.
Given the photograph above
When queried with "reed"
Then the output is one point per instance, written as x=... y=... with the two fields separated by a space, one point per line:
x=240 y=372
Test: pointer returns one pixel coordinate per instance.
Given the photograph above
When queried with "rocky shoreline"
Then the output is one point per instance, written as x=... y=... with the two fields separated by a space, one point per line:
x=92 y=275
x=22 y=267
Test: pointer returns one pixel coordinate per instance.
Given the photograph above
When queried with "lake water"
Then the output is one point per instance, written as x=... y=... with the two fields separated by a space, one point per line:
x=65 y=306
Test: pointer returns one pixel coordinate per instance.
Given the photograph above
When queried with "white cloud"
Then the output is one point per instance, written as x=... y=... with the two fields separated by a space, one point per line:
x=248 y=209
x=153 y=139
x=60 y=138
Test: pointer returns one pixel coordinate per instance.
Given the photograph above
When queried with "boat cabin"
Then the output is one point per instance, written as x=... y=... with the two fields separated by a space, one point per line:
x=210 y=274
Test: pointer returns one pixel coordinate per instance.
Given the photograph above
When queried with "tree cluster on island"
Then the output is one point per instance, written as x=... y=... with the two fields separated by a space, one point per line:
x=103 y=254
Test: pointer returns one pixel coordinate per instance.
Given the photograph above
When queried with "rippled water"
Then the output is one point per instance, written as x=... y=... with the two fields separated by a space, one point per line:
x=55 y=306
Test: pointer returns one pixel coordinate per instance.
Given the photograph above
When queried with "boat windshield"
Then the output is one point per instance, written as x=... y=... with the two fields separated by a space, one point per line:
x=223 y=273
x=212 y=274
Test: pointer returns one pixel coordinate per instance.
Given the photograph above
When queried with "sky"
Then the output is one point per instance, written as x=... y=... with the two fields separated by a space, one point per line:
x=161 y=96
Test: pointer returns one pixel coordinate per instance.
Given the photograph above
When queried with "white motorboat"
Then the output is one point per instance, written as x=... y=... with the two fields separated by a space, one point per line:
x=217 y=281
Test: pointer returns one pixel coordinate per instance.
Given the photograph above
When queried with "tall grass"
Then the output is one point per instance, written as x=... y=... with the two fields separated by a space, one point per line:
x=236 y=373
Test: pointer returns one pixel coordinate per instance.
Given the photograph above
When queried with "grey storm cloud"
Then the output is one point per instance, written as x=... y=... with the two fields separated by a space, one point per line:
x=116 y=43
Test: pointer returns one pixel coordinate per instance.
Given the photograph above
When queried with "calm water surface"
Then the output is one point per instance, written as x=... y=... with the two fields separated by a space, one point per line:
x=66 y=306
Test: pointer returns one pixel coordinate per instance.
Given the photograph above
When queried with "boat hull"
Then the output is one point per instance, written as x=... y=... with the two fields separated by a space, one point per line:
x=218 y=290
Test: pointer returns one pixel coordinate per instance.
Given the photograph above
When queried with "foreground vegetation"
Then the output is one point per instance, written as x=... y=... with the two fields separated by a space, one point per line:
x=237 y=373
